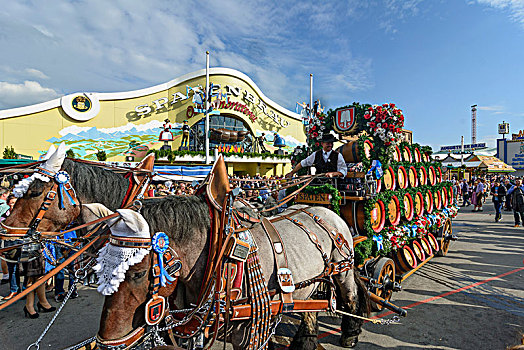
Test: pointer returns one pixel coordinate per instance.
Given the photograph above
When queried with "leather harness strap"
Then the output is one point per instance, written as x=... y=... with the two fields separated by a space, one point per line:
x=337 y=237
x=281 y=265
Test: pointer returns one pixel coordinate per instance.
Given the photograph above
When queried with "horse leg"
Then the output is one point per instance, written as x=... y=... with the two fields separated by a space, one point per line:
x=355 y=299
x=307 y=335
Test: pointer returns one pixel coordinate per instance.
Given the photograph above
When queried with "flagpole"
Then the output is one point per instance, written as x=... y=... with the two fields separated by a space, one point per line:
x=310 y=93
x=206 y=108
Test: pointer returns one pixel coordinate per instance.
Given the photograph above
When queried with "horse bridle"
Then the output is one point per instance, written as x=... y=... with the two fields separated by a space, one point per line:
x=156 y=308
x=61 y=187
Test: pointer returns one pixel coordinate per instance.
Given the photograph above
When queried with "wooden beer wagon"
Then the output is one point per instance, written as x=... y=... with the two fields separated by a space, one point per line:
x=399 y=210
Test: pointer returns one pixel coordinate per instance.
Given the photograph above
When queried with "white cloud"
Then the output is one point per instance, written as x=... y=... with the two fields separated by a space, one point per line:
x=514 y=8
x=491 y=108
x=36 y=73
x=15 y=95
x=120 y=45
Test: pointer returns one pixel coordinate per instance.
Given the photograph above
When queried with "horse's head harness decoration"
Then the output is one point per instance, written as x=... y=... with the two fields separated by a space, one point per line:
x=61 y=188
x=129 y=243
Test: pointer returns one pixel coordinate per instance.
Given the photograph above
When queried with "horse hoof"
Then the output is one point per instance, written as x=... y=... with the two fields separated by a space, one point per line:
x=304 y=343
x=348 y=342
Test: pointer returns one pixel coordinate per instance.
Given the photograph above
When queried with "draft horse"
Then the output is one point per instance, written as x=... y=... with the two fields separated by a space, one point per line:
x=187 y=222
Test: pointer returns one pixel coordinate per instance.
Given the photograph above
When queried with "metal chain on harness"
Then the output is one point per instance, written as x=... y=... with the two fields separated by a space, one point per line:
x=82 y=344
x=384 y=322
x=80 y=274
x=68 y=295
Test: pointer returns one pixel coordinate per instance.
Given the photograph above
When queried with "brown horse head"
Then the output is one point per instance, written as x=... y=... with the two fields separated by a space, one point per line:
x=32 y=192
x=124 y=276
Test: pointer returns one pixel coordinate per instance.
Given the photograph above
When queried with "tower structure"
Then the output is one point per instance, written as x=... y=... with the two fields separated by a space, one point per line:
x=474 y=124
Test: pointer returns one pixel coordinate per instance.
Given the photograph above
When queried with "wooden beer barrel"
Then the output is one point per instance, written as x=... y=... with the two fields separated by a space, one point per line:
x=394 y=210
x=377 y=216
x=416 y=155
x=451 y=196
x=426 y=246
x=444 y=197
x=428 y=200
x=418 y=251
x=397 y=155
x=426 y=157
x=437 y=200
x=412 y=176
x=388 y=179
x=432 y=176
x=433 y=242
x=379 y=185
x=351 y=150
x=402 y=177
x=409 y=208
x=419 y=204
x=439 y=174
x=405 y=260
x=406 y=154
x=422 y=176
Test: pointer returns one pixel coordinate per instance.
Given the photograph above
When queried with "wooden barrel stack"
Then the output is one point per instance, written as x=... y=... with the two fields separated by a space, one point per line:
x=407 y=191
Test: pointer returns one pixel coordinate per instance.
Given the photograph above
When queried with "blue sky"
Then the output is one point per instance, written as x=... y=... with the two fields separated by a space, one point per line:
x=434 y=59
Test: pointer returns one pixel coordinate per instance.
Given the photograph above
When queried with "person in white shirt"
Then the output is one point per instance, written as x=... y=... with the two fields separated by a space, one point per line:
x=326 y=161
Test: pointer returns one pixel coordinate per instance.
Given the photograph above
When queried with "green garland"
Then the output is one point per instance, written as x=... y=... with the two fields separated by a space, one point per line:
x=363 y=250
x=366 y=161
x=172 y=155
x=326 y=188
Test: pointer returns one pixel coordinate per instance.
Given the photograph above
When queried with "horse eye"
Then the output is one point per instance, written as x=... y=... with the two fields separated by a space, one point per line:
x=139 y=275
x=33 y=194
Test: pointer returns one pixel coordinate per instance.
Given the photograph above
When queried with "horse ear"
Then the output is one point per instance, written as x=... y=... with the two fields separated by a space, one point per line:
x=132 y=225
x=91 y=212
x=50 y=151
x=55 y=161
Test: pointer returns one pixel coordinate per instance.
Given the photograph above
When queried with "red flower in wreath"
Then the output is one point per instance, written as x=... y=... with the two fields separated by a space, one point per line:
x=367 y=115
x=315 y=134
x=398 y=130
x=392 y=105
x=387 y=143
x=385 y=125
x=317 y=144
x=379 y=109
x=391 y=127
x=372 y=125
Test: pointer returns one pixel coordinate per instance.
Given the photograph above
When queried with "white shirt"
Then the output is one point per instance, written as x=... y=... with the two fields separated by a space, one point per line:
x=341 y=163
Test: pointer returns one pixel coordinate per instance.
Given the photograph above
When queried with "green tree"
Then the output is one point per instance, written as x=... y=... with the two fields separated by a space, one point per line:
x=101 y=155
x=70 y=153
x=9 y=153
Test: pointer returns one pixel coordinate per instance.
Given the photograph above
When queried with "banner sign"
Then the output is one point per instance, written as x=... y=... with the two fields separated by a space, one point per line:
x=470 y=147
x=504 y=128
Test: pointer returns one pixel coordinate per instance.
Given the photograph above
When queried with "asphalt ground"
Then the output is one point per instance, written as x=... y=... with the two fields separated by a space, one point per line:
x=473 y=298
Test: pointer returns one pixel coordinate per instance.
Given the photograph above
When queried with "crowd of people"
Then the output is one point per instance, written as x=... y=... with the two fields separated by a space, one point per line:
x=21 y=275
x=507 y=194
x=260 y=191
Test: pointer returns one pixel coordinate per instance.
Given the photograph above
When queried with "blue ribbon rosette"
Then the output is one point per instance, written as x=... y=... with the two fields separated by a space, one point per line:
x=413 y=230
x=377 y=166
x=160 y=243
x=379 y=240
x=63 y=178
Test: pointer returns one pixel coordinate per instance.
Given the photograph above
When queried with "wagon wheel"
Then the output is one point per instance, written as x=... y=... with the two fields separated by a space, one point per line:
x=384 y=274
x=443 y=238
